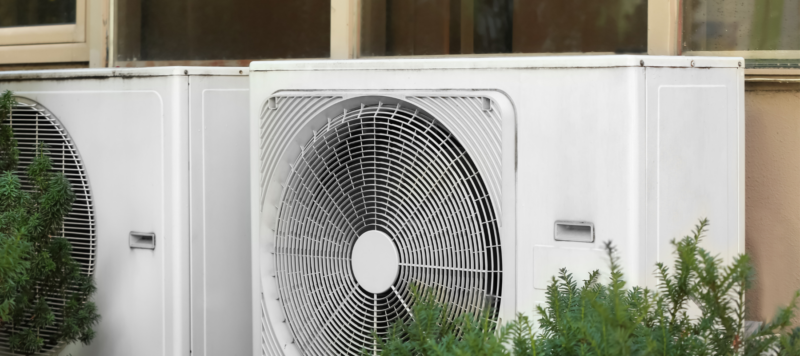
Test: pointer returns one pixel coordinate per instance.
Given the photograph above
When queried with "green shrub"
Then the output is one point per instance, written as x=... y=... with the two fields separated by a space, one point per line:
x=432 y=332
x=36 y=264
x=595 y=318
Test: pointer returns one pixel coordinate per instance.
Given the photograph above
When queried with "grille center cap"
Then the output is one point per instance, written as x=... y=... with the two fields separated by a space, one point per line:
x=375 y=261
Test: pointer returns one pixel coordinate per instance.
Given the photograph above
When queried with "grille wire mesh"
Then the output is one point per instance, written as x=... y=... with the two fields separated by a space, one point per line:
x=31 y=125
x=397 y=170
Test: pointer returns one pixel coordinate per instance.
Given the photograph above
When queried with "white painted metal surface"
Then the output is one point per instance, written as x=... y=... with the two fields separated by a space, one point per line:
x=165 y=153
x=637 y=147
x=375 y=261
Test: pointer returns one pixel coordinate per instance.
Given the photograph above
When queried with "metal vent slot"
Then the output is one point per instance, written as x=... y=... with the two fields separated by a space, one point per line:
x=32 y=125
x=397 y=170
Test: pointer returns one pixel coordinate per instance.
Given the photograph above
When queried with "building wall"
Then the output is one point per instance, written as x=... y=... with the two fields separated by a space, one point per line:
x=772 y=195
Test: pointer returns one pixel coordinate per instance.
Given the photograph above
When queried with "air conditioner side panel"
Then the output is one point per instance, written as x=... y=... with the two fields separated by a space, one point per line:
x=220 y=218
x=695 y=160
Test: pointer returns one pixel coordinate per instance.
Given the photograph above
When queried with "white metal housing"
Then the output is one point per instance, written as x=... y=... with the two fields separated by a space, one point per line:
x=164 y=151
x=571 y=151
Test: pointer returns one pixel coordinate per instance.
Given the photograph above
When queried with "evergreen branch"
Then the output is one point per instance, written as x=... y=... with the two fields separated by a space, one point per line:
x=35 y=264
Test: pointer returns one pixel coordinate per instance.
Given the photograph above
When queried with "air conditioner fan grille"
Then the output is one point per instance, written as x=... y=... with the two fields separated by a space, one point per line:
x=31 y=125
x=397 y=170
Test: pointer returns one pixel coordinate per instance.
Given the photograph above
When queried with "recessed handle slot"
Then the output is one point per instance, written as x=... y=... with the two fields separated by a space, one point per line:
x=146 y=240
x=576 y=231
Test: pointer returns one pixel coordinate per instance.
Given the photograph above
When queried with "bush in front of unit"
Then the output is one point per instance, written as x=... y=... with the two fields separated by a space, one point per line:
x=41 y=285
x=597 y=318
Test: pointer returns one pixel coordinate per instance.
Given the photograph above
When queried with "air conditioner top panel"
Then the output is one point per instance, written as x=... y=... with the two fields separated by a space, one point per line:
x=510 y=62
x=122 y=73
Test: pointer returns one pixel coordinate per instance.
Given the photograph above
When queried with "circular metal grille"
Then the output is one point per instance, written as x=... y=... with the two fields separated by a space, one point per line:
x=32 y=124
x=397 y=170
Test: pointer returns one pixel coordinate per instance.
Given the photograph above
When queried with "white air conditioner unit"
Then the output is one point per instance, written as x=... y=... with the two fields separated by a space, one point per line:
x=479 y=178
x=158 y=158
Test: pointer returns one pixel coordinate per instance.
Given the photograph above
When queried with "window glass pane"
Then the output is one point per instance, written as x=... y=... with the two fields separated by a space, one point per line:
x=741 y=25
x=180 y=30
x=436 y=27
x=36 y=12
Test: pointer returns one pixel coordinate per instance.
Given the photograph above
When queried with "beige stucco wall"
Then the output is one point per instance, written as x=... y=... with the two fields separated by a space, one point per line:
x=772 y=196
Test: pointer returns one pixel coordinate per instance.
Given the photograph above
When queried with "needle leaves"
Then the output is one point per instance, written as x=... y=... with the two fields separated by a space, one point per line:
x=41 y=285
x=697 y=308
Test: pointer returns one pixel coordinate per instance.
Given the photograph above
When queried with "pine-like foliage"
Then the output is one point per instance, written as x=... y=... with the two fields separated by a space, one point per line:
x=698 y=309
x=433 y=331
x=9 y=154
x=41 y=286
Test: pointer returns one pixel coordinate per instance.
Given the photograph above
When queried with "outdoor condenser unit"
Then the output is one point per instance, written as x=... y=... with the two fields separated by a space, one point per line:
x=158 y=159
x=476 y=180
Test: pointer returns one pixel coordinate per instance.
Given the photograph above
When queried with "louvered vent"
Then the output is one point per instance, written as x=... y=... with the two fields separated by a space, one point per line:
x=32 y=124
x=381 y=197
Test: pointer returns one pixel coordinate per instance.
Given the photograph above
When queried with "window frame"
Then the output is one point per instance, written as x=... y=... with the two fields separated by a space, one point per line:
x=662 y=32
x=754 y=54
x=88 y=45
x=47 y=34
x=94 y=32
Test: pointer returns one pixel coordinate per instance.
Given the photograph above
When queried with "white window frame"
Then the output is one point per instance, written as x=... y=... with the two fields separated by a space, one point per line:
x=663 y=32
x=84 y=41
x=28 y=35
